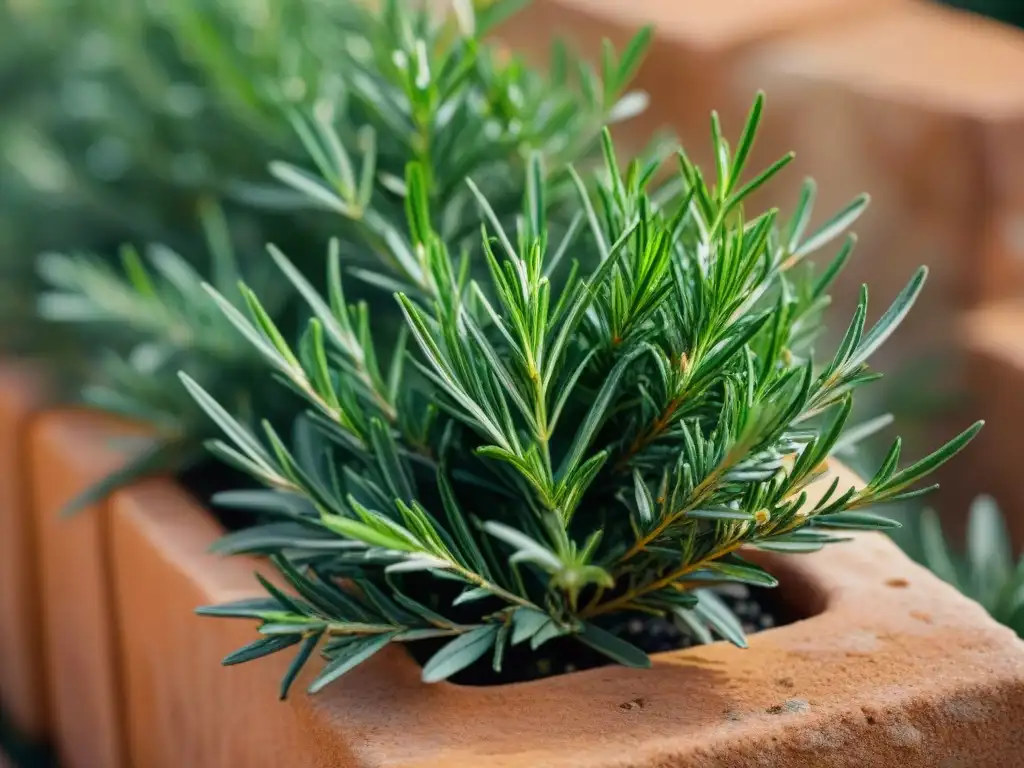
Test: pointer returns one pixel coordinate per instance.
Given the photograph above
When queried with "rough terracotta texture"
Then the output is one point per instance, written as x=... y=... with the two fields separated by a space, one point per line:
x=915 y=105
x=993 y=337
x=898 y=668
x=69 y=450
x=1002 y=247
x=22 y=680
x=183 y=708
x=697 y=44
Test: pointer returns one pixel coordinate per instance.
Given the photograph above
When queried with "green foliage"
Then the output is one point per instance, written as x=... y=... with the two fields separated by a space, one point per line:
x=1008 y=11
x=155 y=317
x=116 y=131
x=360 y=93
x=985 y=570
x=113 y=131
x=591 y=424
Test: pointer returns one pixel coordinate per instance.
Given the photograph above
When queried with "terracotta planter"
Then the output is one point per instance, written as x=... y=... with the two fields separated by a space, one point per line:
x=691 y=65
x=22 y=678
x=183 y=708
x=894 y=666
x=880 y=105
x=69 y=451
x=991 y=338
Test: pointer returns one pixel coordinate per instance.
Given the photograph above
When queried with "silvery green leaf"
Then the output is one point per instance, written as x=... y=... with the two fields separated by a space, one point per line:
x=989 y=553
x=613 y=647
x=526 y=548
x=526 y=622
x=629 y=106
x=716 y=614
x=834 y=227
x=459 y=653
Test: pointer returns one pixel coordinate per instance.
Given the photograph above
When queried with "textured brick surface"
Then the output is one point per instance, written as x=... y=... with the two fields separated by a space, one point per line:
x=184 y=709
x=917 y=105
x=68 y=453
x=697 y=45
x=993 y=337
x=896 y=669
x=22 y=679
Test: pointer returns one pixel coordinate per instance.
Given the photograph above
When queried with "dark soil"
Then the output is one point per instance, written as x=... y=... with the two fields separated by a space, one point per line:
x=757 y=609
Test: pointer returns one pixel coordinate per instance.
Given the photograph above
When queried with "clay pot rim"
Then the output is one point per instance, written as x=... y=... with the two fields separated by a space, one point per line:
x=797 y=585
x=800 y=581
x=889 y=630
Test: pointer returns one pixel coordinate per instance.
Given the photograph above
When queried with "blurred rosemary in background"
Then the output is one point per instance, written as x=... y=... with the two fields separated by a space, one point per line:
x=162 y=144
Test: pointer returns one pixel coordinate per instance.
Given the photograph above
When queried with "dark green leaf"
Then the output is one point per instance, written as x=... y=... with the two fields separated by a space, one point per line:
x=351 y=656
x=735 y=569
x=305 y=651
x=260 y=648
x=613 y=647
x=249 y=608
x=459 y=653
x=861 y=520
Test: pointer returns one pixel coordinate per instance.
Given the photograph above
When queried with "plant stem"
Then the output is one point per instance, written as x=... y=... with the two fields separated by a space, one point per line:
x=624 y=600
x=695 y=498
x=651 y=434
x=497 y=591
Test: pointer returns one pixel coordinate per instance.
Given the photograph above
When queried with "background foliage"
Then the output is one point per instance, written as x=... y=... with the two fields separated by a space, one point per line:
x=1009 y=11
x=205 y=117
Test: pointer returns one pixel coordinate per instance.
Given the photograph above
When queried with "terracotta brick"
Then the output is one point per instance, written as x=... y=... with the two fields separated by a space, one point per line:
x=895 y=668
x=22 y=679
x=1002 y=246
x=69 y=451
x=908 y=104
x=183 y=708
x=697 y=44
x=993 y=338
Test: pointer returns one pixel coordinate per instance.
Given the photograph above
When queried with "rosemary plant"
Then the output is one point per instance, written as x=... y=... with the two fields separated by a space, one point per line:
x=592 y=430
x=406 y=85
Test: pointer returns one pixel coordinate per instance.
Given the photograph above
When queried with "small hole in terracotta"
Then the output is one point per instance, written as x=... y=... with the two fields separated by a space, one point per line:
x=897 y=583
x=789 y=706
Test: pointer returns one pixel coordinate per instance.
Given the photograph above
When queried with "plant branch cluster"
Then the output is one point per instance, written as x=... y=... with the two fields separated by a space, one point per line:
x=357 y=94
x=592 y=426
x=535 y=391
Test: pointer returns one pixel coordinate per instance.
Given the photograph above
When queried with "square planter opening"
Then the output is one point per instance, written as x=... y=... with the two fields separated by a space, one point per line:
x=897 y=665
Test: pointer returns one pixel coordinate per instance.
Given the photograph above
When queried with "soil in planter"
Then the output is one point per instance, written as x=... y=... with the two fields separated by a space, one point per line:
x=756 y=608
